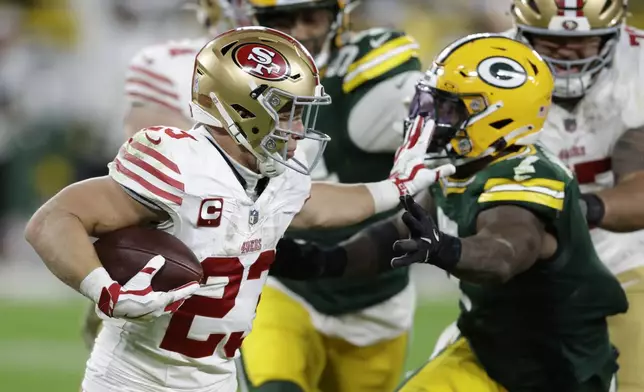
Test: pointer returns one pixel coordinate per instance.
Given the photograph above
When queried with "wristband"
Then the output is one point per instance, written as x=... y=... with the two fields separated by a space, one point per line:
x=385 y=195
x=595 y=209
x=94 y=282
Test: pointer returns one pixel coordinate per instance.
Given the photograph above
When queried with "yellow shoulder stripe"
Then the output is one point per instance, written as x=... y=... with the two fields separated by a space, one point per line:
x=543 y=191
x=379 y=61
x=554 y=185
x=528 y=197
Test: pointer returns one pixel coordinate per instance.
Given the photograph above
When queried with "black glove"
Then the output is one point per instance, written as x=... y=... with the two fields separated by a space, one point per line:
x=426 y=244
x=592 y=206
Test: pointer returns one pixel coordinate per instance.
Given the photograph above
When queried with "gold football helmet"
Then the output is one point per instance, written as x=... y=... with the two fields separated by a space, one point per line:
x=484 y=92
x=572 y=18
x=275 y=13
x=263 y=87
x=215 y=13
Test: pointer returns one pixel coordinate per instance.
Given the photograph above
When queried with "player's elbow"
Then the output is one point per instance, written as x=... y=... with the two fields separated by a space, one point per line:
x=310 y=219
x=32 y=229
x=35 y=226
x=502 y=275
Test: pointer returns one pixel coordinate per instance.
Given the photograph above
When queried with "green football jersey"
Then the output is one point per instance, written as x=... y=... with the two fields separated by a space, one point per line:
x=544 y=330
x=371 y=57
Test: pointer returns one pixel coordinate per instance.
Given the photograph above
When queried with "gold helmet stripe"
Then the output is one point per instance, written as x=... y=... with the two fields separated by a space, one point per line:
x=570 y=8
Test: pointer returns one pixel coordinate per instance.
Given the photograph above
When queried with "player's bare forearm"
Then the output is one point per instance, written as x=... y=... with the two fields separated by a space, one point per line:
x=335 y=205
x=60 y=230
x=366 y=253
x=143 y=116
x=624 y=204
x=509 y=241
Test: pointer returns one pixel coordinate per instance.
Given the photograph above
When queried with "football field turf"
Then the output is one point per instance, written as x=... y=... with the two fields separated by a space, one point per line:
x=41 y=349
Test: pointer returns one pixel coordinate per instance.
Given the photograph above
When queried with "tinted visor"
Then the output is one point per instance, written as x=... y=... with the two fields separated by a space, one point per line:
x=446 y=109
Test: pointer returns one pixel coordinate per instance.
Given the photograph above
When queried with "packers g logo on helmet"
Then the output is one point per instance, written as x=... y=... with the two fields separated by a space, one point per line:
x=482 y=103
x=502 y=72
x=262 y=61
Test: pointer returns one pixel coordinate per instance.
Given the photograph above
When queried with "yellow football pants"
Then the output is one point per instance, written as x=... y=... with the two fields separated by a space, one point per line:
x=285 y=346
x=456 y=369
x=627 y=333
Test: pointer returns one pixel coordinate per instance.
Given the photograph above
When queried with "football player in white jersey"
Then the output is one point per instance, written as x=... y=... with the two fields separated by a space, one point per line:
x=157 y=90
x=228 y=188
x=596 y=127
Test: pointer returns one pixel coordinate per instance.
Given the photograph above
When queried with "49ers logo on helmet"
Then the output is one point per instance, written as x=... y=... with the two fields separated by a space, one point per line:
x=262 y=61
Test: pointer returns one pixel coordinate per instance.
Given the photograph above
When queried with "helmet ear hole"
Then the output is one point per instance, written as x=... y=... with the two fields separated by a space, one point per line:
x=501 y=123
x=242 y=111
x=607 y=5
x=533 y=5
x=255 y=130
x=534 y=67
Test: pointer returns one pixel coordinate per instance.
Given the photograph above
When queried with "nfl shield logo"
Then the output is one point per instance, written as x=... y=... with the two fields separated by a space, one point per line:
x=253 y=217
x=570 y=124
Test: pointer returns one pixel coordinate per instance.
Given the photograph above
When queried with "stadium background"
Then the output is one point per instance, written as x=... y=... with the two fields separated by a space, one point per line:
x=62 y=66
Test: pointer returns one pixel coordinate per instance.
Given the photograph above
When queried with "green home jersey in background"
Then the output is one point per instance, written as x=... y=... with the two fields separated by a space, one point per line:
x=353 y=70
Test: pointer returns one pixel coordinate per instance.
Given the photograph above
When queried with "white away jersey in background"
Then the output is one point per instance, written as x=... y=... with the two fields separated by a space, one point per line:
x=162 y=75
x=235 y=238
x=584 y=139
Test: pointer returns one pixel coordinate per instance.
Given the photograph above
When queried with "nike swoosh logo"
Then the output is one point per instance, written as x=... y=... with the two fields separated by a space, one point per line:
x=376 y=42
x=153 y=141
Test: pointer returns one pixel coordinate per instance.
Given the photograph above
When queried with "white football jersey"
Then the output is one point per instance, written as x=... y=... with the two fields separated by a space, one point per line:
x=162 y=75
x=185 y=174
x=584 y=138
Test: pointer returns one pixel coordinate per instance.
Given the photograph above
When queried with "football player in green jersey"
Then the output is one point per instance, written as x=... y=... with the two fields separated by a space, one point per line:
x=535 y=296
x=340 y=334
x=510 y=227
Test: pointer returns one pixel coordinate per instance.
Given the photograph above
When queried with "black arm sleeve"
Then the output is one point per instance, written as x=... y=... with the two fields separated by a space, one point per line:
x=366 y=254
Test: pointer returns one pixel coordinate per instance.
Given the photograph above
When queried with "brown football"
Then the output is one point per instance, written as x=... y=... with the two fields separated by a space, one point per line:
x=125 y=252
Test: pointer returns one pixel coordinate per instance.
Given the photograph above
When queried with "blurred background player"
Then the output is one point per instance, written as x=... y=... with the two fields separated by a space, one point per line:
x=596 y=127
x=340 y=334
x=157 y=84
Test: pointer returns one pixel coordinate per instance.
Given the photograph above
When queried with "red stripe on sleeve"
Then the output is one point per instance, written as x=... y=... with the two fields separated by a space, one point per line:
x=141 y=181
x=151 y=74
x=152 y=87
x=156 y=155
x=153 y=171
x=148 y=98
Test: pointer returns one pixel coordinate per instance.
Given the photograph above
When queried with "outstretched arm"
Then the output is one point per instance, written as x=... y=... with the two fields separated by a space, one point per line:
x=509 y=240
x=338 y=205
x=367 y=253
